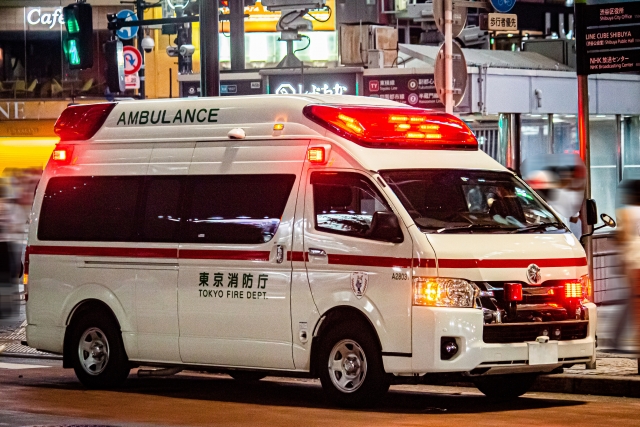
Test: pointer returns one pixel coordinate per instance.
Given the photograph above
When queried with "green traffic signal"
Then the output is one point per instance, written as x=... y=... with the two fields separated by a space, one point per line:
x=71 y=52
x=78 y=42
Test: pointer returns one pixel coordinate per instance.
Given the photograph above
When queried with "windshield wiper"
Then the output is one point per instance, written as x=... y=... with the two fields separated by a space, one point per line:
x=540 y=226
x=471 y=227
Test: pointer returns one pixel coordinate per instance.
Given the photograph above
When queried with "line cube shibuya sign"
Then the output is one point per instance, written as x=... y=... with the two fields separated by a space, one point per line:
x=608 y=40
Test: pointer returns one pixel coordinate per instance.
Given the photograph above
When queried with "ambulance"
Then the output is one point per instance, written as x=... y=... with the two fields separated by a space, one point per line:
x=355 y=240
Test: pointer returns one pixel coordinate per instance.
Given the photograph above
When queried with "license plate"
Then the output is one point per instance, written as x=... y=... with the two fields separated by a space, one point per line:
x=543 y=353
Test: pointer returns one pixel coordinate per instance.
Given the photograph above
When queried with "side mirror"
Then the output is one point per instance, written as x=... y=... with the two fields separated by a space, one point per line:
x=592 y=212
x=608 y=221
x=385 y=227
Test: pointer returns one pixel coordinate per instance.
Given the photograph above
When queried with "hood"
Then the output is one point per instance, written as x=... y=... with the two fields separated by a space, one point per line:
x=507 y=257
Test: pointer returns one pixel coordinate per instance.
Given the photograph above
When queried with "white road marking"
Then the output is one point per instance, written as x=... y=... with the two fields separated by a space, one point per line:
x=20 y=366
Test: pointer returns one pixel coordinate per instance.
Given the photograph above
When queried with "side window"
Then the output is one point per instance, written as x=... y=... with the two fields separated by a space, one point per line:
x=236 y=208
x=161 y=211
x=93 y=208
x=345 y=203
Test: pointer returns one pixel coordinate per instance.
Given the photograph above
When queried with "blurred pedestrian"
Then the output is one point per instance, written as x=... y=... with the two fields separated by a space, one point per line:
x=628 y=236
x=12 y=220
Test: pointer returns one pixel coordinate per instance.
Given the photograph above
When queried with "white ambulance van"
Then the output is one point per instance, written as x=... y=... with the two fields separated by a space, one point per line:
x=352 y=239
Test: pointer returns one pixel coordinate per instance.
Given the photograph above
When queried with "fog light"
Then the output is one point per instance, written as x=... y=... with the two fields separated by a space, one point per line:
x=448 y=348
x=557 y=333
x=545 y=332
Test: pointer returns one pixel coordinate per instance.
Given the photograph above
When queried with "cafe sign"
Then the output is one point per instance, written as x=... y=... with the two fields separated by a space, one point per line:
x=43 y=18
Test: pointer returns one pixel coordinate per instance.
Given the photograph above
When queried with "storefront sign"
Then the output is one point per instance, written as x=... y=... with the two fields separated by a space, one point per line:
x=44 y=17
x=34 y=110
x=326 y=84
x=27 y=128
x=417 y=90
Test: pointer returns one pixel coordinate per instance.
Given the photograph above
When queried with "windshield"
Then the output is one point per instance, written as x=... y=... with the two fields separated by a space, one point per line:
x=448 y=200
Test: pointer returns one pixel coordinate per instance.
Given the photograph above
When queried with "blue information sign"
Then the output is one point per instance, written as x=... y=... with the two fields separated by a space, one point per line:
x=503 y=6
x=127 y=33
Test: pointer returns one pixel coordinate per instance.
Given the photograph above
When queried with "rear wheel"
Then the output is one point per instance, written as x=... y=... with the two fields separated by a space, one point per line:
x=505 y=386
x=351 y=370
x=97 y=352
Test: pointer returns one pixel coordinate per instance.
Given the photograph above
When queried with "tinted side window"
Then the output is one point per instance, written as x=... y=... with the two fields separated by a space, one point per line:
x=345 y=202
x=100 y=208
x=236 y=208
x=161 y=212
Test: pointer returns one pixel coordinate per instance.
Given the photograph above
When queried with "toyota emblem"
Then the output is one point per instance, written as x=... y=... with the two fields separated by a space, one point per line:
x=533 y=274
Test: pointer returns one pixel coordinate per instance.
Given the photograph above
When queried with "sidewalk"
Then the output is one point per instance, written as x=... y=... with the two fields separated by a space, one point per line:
x=615 y=375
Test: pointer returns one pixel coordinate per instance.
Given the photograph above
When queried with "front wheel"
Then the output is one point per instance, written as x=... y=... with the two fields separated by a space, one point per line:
x=351 y=370
x=505 y=387
x=99 y=358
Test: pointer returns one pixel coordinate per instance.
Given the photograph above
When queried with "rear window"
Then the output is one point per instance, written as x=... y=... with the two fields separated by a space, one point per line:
x=232 y=209
x=90 y=208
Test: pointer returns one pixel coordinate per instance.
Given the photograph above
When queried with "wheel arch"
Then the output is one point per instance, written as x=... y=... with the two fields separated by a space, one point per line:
x=330 y=319
x=88 y=305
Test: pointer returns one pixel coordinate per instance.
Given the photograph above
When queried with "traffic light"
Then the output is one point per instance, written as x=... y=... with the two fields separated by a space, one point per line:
x=78 y=43
x=115 y=65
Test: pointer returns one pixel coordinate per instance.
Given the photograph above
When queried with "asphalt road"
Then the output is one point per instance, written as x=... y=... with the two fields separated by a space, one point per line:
x=49 y=395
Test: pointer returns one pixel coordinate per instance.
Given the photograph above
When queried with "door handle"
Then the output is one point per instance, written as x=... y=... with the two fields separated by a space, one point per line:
x=317 y=252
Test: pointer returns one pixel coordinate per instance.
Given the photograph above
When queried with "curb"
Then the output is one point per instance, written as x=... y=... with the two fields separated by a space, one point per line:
x=600 y=385
x=32 y=356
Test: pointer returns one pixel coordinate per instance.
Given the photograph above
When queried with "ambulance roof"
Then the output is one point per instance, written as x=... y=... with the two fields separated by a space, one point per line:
x=200 y=119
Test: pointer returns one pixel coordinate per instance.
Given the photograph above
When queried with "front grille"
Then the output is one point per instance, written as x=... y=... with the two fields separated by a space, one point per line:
x=502 y=333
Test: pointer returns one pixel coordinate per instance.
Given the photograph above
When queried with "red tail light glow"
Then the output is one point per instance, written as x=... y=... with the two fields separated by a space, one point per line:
x=62 y=154
x=25 y=274
x=81 y=122
x=394 y=127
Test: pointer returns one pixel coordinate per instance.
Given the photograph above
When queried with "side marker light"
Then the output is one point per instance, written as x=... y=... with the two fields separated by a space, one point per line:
x=316 y=155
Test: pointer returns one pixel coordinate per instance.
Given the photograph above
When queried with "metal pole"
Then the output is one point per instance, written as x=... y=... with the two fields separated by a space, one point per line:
x=551 y=132
x=236 y=33
x=448 y=55
x=140 y=13
x=209 y=48
x=513 y=143
x=585 y=149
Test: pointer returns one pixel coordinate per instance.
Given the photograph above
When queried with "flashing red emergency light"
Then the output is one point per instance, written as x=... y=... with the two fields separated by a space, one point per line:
x=513 y=292
x=81 y=122
x=394 y=127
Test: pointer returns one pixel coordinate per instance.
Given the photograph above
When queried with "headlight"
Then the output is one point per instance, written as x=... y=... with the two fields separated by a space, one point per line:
x=444 y=292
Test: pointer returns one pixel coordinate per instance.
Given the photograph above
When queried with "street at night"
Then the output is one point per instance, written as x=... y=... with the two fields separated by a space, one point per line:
x=49 y=395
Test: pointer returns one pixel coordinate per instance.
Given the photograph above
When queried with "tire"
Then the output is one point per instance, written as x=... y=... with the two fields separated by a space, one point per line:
x=505 y=387
x=247 y=376
x=97 y=351
x=350 y=366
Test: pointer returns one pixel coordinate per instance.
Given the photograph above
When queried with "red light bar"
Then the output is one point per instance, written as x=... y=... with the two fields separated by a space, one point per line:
x=81 y=122
x=513 y=292
x=394 y=127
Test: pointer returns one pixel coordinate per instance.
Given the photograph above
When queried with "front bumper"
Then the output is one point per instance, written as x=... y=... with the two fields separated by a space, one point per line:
x=430 y=324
